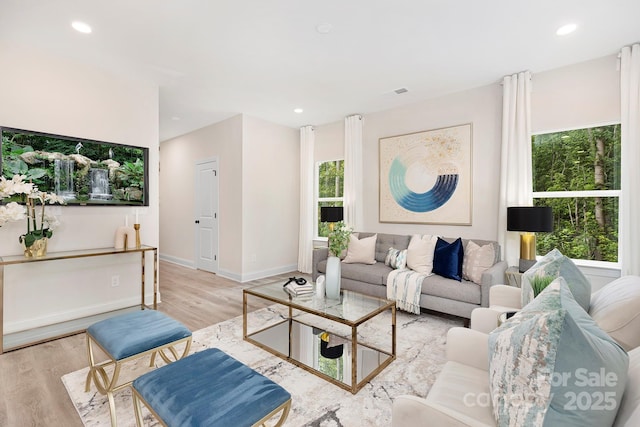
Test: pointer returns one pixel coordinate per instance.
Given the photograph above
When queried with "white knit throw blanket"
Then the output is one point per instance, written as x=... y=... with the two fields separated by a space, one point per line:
x=404 y=287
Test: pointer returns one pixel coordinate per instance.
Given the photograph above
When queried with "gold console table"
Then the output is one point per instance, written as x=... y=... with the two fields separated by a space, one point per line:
x=54 y=256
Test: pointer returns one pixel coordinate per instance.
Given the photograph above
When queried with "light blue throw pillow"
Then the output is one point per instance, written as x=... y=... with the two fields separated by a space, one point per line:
x=551 y=365
x=555 y=264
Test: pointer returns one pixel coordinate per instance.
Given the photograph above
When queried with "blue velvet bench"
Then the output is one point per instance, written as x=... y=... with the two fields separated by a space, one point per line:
x=128 y=337
x=212 y=389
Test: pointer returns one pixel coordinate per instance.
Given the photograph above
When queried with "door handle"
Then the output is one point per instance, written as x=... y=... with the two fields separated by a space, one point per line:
x=197 y=221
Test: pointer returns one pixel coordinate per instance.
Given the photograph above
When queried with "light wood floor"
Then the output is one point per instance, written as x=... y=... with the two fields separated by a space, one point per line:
x=31 y=391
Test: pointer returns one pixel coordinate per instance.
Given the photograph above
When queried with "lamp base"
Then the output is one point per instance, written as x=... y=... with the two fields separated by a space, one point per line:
x=525 y=264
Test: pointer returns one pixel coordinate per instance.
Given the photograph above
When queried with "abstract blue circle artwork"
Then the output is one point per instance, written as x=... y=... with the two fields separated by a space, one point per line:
x=432 y=199
x=425 y=177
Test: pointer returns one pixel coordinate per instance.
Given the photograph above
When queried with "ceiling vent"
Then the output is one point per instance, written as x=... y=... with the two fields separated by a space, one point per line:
x=401 y=90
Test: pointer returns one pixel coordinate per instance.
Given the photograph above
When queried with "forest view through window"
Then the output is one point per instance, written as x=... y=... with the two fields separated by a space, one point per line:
x=330 y=189
x=577 y=173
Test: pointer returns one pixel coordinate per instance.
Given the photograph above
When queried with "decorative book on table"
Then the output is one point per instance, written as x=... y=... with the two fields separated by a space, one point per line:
x=297 y=290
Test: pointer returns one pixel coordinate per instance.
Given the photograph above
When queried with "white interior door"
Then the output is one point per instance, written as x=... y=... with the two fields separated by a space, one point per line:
x=206 y=220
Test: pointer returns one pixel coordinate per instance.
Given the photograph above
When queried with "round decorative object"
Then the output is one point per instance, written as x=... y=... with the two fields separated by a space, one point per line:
x=332 y=278
x=403 y=168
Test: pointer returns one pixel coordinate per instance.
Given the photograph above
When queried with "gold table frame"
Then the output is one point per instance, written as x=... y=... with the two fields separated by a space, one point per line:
x=284 y=298
x=54 y=256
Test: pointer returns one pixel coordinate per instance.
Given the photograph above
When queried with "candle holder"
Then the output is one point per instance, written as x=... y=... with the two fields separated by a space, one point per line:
x=137 y=228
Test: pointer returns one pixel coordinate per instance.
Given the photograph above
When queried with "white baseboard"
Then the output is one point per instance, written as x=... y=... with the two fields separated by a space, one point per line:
x=268 y=273
x=52 y=319
x=178 y=261
x=35 y=335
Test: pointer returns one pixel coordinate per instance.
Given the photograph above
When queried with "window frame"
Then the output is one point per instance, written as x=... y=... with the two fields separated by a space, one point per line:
x=317 y=199
x=581 y=194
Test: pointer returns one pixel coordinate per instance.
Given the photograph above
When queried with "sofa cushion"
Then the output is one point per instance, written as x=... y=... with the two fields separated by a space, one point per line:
x=420 y=253
x=464 y=291
x=375 y=274
x=476 y=260
x=544 y=360
x=447 y=259
x=616 y=309
x=386 y=241
x=555 y=264
x=361 y=251
x=629 y=413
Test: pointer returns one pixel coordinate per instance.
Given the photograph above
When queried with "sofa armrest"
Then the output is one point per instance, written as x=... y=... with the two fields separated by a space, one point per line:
x=491 y=276
x=468 y=347
x=319 y=254
x=413 y=411
x=506 y=296
x=484 y=319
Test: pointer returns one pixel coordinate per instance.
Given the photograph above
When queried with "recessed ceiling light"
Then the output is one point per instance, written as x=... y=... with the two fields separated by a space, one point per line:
x=175 y=118
x=81 y=27
x=324 y=28
x=298 y=110
x=566 y=29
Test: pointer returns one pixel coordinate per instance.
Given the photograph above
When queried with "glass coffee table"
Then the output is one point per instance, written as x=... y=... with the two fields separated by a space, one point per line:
x=346 y=342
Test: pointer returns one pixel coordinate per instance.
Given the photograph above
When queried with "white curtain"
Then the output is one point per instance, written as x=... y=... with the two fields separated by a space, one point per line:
x=305 y=242
x=353 y=186
x=515 y=160
x=630 y=174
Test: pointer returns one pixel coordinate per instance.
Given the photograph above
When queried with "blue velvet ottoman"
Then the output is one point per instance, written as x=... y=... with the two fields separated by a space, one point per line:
x=209 y=388
x=128 y=337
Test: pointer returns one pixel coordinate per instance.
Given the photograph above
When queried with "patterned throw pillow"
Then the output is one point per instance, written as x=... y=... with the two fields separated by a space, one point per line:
x=396 y=258
x=476 y=260
x=551 y=365
x=555 y=264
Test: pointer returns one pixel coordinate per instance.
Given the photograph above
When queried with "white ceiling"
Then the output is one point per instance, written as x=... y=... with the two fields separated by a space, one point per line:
x=216 y=58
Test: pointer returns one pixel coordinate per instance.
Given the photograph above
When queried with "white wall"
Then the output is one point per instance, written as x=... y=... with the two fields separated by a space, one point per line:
x=576 y=96
x=270 y=198
x=178 y=158
x=481 y=106
x=55 y=95
x=259 y=194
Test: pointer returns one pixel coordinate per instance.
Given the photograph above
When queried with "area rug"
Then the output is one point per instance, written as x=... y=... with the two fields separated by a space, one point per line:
x=315 y=402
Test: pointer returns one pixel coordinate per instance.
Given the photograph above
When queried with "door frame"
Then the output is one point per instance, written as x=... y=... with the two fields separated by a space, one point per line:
x=195 y=209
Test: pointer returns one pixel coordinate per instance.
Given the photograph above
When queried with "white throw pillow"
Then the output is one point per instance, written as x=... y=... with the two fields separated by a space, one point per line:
x=616 y=309
x=420 y=253
x=361 y=251
x=476 y=260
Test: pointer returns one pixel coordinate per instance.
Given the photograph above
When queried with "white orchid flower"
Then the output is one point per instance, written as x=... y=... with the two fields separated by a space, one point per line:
x=52 y=222
x=12 y=212
x=53 y=198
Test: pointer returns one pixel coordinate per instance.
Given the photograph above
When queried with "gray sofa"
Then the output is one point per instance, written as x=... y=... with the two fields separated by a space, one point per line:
x=438 y=293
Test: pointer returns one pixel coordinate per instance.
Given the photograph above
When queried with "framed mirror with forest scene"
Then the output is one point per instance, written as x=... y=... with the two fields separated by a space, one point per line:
x=84 y=172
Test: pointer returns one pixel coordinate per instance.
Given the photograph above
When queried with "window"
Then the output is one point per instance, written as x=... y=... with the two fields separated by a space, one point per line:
x=577 y=173
x=330 y=179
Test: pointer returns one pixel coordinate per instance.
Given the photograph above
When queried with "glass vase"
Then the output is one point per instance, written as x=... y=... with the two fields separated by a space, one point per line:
x=332 y=281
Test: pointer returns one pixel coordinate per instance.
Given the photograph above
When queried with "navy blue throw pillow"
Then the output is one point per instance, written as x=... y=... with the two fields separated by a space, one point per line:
x=447 y=259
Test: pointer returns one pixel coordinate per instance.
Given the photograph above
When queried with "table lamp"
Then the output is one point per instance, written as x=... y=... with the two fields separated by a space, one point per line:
x=529 y=220
x=331 y=214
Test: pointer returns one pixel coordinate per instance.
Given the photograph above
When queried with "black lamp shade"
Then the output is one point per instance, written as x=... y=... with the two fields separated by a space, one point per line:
x=530 y=218
x=331 y=213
